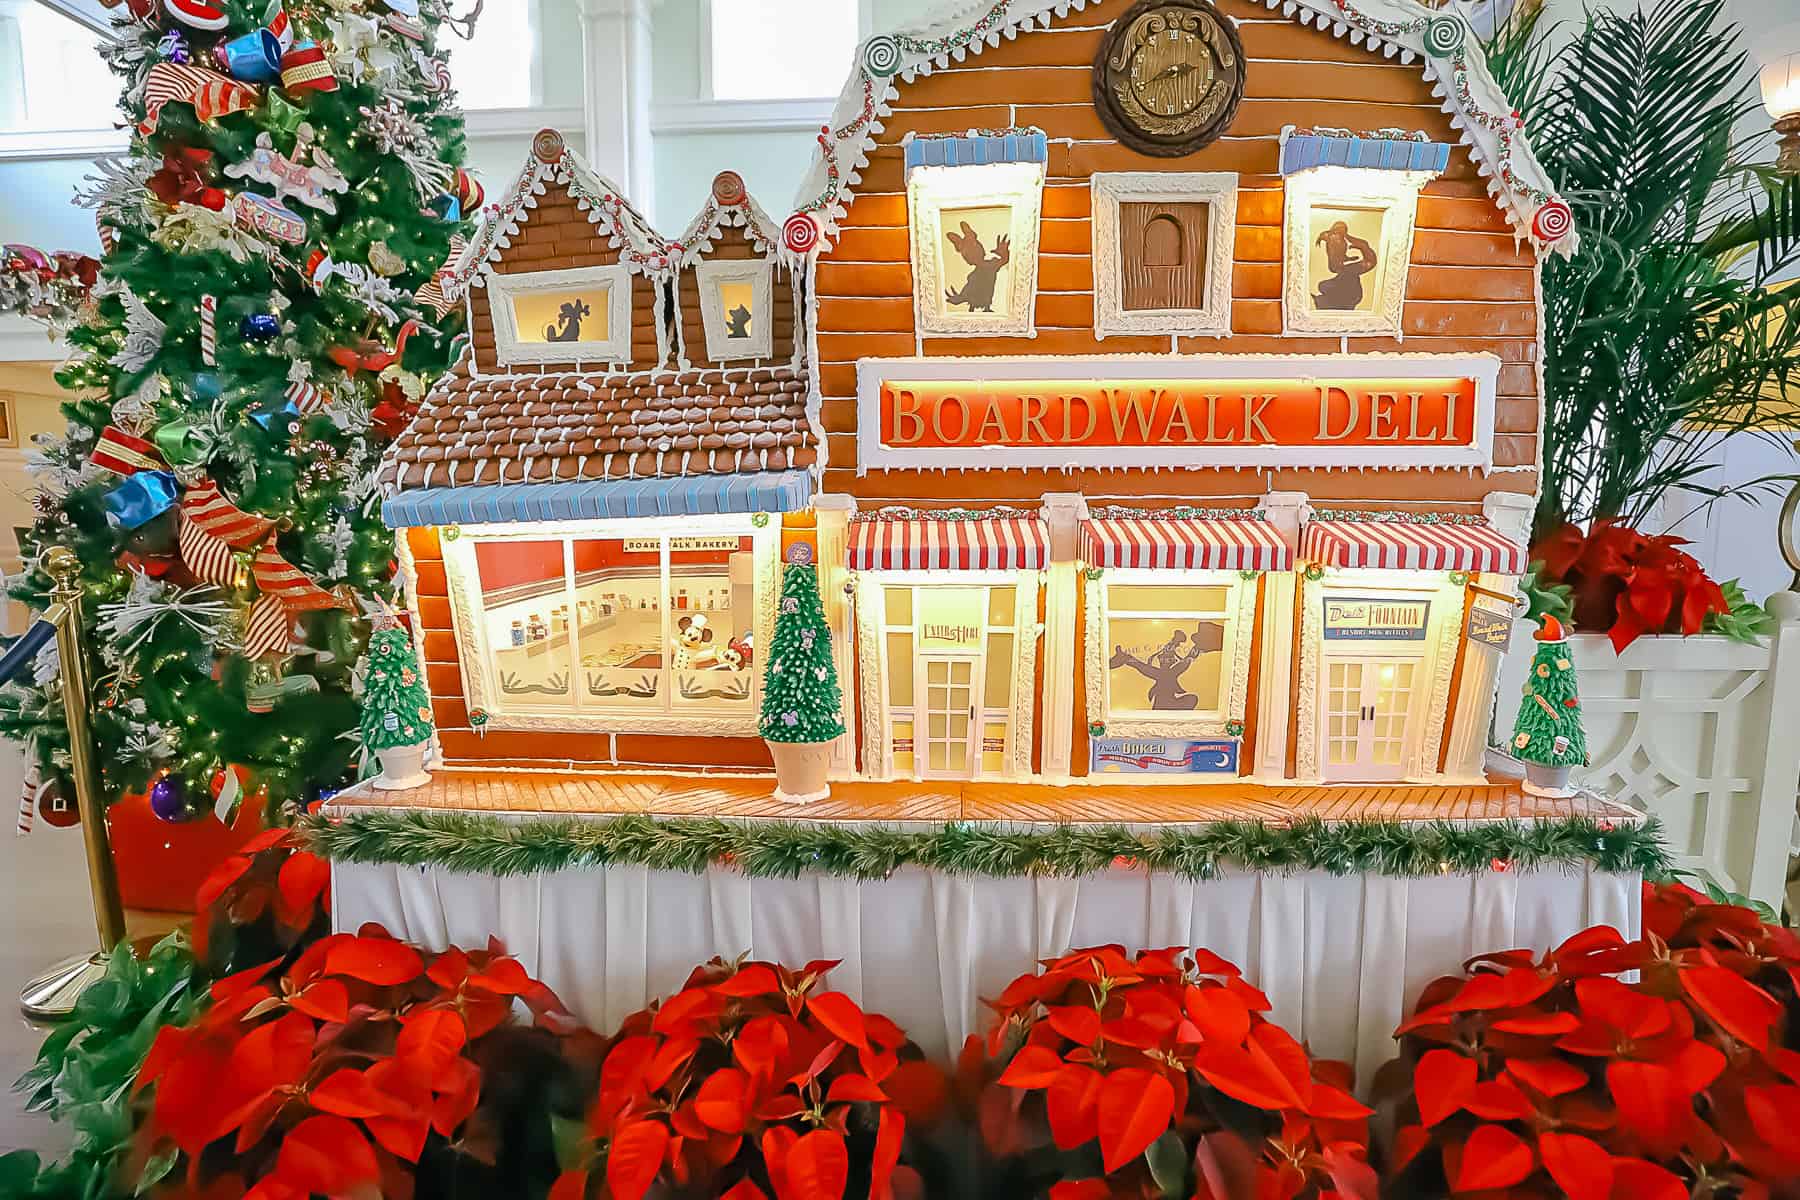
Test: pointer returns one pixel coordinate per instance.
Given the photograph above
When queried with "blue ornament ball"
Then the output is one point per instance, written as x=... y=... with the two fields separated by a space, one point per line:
x=259 y=327
x=168 y=800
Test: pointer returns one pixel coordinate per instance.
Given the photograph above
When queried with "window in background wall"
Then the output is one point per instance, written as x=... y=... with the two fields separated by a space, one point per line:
x=499 y=67
x=781 y=49
x=51 y=74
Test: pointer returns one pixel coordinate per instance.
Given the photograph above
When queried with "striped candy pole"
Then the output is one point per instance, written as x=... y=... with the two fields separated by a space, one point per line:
x=209 y=330
x=28 y=796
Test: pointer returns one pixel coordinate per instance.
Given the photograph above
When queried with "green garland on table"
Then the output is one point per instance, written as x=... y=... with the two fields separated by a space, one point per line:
x=493 y=845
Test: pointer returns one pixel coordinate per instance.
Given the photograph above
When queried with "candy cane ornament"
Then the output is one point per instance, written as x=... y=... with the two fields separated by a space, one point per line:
x=209 y=330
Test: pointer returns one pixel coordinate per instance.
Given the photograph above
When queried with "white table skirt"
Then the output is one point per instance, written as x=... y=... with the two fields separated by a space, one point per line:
x=1343 y=959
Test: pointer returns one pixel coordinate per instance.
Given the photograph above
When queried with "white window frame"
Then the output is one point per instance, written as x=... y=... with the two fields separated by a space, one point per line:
x=509 y=350
x=1395 y=194
x=1019 y=187
x=501 y=120
x=1239 y=617
x=713 y=114
x=46 y=145
x=469 y=622
x=1218 y=190
x=760 y=274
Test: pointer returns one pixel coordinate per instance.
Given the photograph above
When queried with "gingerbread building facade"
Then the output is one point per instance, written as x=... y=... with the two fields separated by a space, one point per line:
x=1154 y=384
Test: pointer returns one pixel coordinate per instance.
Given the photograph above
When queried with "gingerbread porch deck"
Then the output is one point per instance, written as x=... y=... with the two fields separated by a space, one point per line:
x=561 y=793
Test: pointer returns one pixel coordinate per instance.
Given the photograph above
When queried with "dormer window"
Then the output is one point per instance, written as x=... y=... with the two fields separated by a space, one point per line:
x=578 y=315
x=1162 y=252
x=737 y=302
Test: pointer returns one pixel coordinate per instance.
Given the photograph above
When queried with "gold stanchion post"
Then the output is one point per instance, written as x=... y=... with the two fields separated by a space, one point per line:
x=53 y=994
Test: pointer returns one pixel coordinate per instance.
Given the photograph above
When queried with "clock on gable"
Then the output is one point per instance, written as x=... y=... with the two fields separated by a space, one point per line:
x=1168 y=76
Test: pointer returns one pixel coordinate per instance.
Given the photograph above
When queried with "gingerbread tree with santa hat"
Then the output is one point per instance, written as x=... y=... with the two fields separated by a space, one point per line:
x=1547 y=735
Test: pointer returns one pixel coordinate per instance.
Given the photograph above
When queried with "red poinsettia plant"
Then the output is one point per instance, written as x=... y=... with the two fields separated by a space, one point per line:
x=1160 y=1075
x=1566 y=1075
x=753 y=1082
x=261 y=902
x=333 y=1075
x=1625 y=584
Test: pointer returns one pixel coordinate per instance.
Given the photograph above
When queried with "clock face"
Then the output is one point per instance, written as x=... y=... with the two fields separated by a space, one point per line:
x=1168 y=76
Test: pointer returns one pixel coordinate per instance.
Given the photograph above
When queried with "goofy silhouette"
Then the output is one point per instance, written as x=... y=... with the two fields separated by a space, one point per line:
x=569 y=316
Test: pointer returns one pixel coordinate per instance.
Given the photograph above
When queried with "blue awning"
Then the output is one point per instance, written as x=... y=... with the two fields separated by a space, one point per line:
x=587 y=500
x=978 y=149
x=1301 y=151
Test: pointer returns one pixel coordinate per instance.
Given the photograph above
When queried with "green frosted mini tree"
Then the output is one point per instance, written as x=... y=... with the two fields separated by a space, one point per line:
x=396 y=707
x=1548 y=729
x=801 y=700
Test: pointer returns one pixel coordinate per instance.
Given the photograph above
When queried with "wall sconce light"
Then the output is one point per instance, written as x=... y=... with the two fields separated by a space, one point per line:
x=1780 y=81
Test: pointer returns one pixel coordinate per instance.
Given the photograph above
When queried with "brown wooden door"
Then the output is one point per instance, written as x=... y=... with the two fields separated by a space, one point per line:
x=1162 y=254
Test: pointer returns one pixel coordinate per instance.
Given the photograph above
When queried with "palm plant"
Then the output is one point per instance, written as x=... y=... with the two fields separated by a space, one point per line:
x=1662 y=335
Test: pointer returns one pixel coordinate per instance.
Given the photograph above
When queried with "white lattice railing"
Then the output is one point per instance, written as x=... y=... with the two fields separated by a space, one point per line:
x=1703 y=733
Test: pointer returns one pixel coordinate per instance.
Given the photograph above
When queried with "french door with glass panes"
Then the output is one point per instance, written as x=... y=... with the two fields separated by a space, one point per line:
x=948 y=687
x=1367 y=706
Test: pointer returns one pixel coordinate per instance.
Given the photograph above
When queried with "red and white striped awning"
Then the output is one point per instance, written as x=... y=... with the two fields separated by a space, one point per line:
x=1411 y=545
x=997 y=544
x=1187 y=543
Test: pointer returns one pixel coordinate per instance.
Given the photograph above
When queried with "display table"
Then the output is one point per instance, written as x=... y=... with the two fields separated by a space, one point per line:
x=1341 y=956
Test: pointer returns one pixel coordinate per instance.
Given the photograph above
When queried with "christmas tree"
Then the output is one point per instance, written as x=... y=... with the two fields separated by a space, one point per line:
x=801 y=701
x=396 y=707
x=1548 y=729
x=269 y=309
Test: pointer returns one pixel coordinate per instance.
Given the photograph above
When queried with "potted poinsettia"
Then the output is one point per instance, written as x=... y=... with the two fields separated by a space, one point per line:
x=803 y=708
x=1159 y=1074
x=350 y=1070
x=754 y=1082
x=1654 y=1069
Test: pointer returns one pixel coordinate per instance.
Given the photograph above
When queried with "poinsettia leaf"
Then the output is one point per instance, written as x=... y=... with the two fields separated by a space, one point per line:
x=1219 y=1013
x=1080 y=1189
x=755 y=979
x=743 y=1189
x=1031 y=1067
x=326 y=1155
x=919 y=1089
x=1635 y=1179
x=1072 y=1104
x=430 y=1039
x=505 y=976
x=1735 y=1004
x=890 y=1135
x=839 y=1013
x=1652 y=1103
x=1135 y=1109
x=1077 y=1022
x=380 y=961
x=854 y=1087
x=1548 y=1076
x=302 y=879
x=1493 y=1157
x=1168 y=1162
x=348 y=1093
x=1335 y=1104
x=570 y=1185
x=818 y=1167
x=634 y=1157
x=723 y=1101
x=326 y=1000
x=273 y=1055
x=1499 y=1100
x=219 y=881
x=1580 y=1166
x=1443 y=1081
x=403 y=1137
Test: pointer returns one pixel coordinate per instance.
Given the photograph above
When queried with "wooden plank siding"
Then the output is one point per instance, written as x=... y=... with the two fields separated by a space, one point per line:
x=462 y=745
x=557 y=235
x=1472 y=286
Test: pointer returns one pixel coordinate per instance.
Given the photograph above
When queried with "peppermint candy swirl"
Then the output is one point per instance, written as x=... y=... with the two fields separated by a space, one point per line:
x=547 y=146
x=881 y=56
x=1553 y=220
x=1444 y=36
x=800 y=234
x=728 y=189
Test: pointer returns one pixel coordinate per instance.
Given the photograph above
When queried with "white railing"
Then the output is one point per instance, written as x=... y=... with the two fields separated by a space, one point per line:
x=1701 y=732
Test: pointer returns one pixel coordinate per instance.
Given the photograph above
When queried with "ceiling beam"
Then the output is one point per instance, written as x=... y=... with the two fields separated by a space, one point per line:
x=87 y=12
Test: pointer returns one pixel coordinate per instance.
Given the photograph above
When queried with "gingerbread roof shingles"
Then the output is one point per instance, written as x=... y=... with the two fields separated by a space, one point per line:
x=567 y=427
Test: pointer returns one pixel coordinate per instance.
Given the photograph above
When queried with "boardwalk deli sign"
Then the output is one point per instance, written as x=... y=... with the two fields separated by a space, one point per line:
x=1397 y=411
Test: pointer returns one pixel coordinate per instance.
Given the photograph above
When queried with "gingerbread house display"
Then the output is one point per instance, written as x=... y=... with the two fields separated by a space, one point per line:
x=1154 y=384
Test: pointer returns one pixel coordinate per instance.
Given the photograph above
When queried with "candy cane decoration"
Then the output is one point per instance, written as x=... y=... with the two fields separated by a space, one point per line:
x=29 y=793
x=209 y=330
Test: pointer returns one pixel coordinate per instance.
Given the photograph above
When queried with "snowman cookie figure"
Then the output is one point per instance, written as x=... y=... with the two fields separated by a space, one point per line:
x=737 y=654
x=693 y=643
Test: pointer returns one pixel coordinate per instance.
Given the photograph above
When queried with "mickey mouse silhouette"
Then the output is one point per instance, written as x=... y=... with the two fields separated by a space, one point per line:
x=977 y=290
x=1165 y=668
x=569 y=315
x=737 y=322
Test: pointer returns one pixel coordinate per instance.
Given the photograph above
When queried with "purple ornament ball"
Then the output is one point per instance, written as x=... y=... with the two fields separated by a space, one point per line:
x=168 y=800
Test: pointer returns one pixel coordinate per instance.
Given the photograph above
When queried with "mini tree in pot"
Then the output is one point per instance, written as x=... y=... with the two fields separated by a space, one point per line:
x=802 y=709
x=396 y=716
x=1547 y=735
